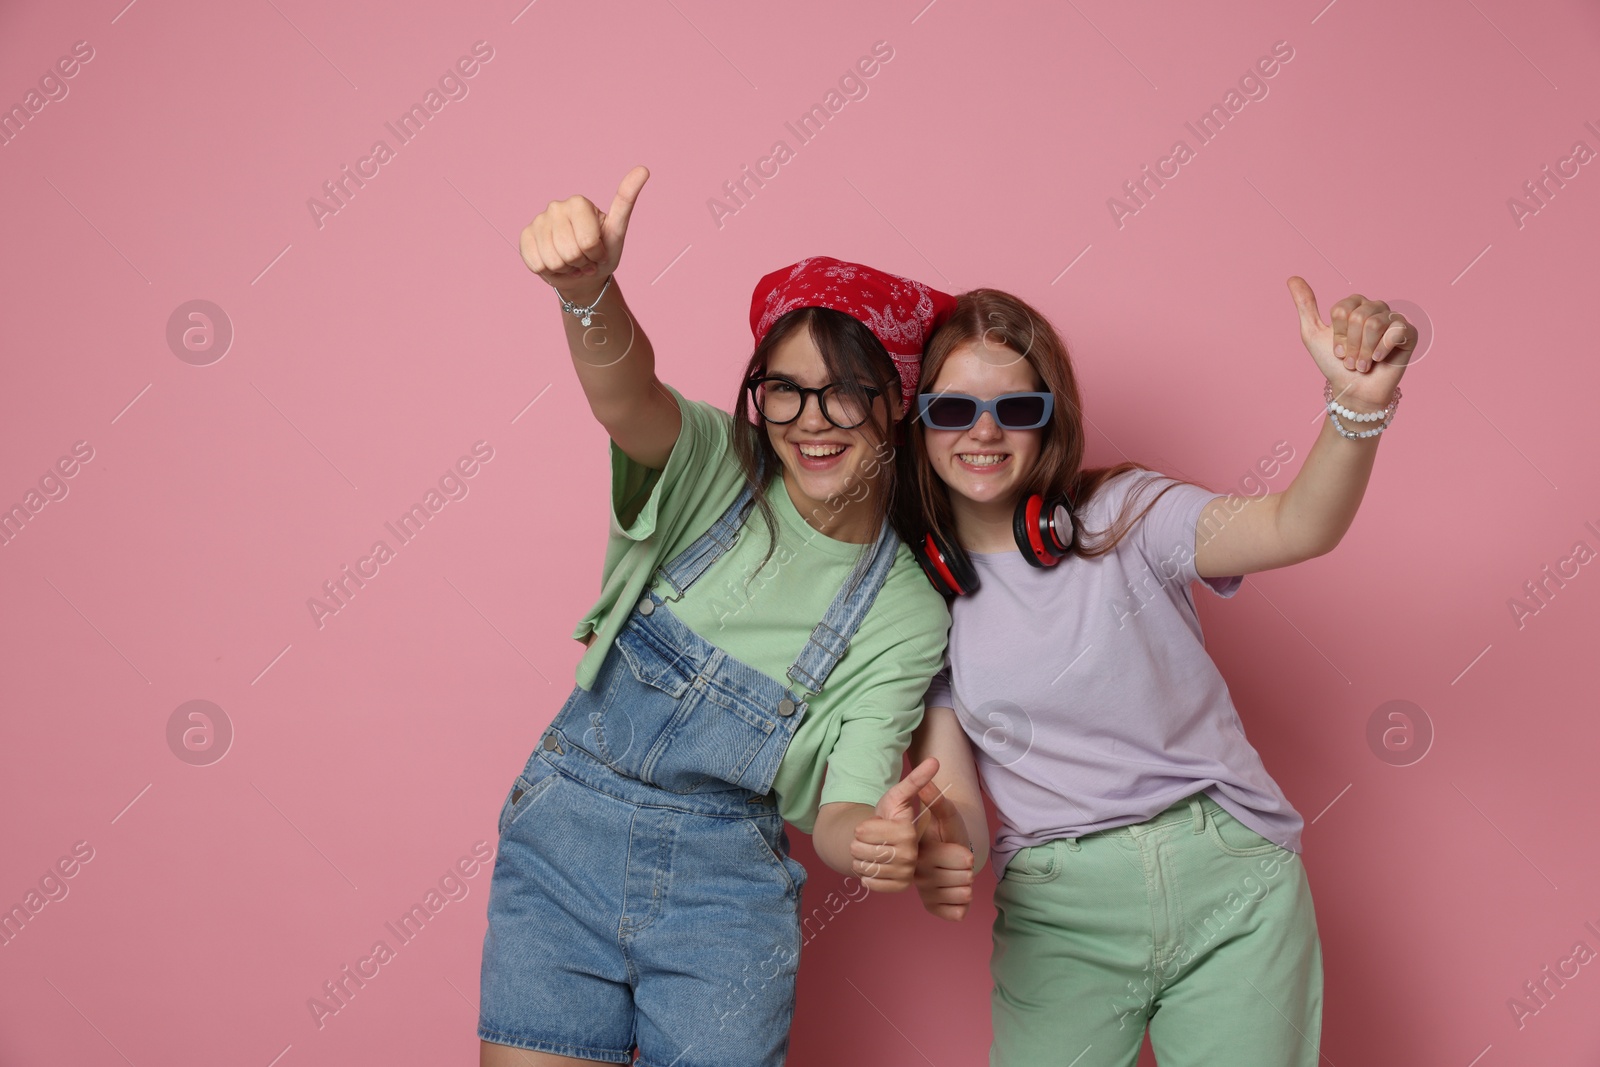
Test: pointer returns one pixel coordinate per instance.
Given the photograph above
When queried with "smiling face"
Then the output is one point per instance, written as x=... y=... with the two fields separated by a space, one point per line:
x=831 y=473
x=984 y=467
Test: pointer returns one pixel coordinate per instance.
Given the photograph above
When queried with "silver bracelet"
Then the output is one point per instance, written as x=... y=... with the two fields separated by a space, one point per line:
x=1335 y=409
x=583 y=313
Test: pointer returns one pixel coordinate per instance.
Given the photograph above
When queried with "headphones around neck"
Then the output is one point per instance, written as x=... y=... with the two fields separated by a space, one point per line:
x=1045 y=532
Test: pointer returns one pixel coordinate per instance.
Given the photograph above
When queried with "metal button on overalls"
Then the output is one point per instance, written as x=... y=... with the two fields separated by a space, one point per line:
x=646 y=606
x=551 y=744
x=786 y=707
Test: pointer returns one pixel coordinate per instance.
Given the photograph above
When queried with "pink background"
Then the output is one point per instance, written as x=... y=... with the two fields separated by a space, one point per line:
x=369 y=354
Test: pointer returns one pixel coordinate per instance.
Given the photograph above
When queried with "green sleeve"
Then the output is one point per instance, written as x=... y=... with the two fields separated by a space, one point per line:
x=654 y=514
x=645 y=500
x=880 y=717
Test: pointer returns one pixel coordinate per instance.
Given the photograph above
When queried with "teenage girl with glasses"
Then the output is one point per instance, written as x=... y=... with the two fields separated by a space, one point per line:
x=643 y=897
x=1148 y=864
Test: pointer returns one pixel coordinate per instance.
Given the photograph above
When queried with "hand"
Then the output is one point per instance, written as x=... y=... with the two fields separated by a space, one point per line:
x=945 y=859
x=1363 y=351
x=572 y=243
x=884 y=852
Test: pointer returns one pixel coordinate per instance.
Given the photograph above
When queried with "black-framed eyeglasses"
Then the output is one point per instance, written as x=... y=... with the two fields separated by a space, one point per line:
x=961 y=411
x=844 y=404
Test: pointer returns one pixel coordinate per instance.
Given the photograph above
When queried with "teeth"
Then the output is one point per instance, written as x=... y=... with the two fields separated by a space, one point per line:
x=979 y=460
x=821 y=450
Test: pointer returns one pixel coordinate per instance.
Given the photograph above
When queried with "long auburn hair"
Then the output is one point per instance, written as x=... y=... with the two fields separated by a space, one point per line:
x=851 y=352
x=991 y=317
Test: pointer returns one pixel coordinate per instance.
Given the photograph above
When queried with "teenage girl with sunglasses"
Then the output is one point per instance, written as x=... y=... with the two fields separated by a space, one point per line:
x=643 y=897
x=1148 y=864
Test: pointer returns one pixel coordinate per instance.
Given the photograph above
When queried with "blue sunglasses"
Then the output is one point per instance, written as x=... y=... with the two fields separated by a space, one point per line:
x=959 y=411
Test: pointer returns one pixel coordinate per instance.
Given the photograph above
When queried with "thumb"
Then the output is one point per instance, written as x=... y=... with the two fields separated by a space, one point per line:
x=943 y=815
x=616 y=220
x=1305 y=302
x=896 y=803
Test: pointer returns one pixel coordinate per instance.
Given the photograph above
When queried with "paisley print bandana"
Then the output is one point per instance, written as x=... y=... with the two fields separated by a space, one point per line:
x=900 y=312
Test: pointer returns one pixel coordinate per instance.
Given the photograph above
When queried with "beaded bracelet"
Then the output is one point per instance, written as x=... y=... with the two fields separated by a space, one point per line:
x=1335 y=409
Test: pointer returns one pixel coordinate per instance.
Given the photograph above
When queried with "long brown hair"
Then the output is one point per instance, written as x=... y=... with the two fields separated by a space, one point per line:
x=995 y=318
x=851 y=352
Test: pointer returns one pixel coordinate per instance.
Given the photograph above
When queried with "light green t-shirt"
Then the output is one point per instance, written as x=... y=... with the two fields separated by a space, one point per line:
x=849 y=745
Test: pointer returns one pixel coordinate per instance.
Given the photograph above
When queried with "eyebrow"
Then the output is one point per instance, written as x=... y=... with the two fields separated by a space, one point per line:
x=770 y=373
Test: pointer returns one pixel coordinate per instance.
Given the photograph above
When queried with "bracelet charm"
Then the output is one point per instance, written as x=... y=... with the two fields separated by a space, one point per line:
x=584 y=313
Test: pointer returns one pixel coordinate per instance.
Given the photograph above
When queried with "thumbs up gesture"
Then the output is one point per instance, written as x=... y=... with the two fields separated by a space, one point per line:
x=1362 y=349
x=945 y=859
x=573 y=244
x=884 y=852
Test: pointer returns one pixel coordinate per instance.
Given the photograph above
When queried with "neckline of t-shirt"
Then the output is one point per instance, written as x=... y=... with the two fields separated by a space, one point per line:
x=989 y=559
x=795 y=525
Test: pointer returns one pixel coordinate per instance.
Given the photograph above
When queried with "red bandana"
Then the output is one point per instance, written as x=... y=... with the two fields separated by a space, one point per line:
x=900 y=312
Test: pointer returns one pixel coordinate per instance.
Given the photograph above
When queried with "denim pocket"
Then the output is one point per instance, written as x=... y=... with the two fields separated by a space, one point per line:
x=1035 y=864
x=661 y=668
x=684 y=730
x=767 y=830
x=534 y=781
x=1234 y=838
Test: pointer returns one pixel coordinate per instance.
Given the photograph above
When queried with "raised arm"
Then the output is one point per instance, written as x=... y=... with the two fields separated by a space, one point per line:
x=575 y=247
x=1363 y=354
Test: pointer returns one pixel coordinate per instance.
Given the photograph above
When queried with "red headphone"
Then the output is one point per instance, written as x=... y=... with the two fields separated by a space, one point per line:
x=1045 y=532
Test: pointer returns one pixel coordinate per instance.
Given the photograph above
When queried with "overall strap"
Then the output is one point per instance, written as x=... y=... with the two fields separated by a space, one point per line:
x=687 y=566
x=831 y=638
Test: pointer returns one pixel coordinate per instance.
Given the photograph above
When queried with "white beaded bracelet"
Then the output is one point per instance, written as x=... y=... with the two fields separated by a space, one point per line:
x=1335 y=409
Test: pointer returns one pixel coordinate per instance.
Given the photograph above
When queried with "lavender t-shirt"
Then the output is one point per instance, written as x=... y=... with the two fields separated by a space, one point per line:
x=1086 y=689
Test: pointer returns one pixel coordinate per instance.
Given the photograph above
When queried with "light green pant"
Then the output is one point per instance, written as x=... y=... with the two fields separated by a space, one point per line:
x=1190 y=923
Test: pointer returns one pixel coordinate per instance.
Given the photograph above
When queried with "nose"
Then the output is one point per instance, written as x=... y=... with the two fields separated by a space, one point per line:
x=811 y=417
x=985 y=429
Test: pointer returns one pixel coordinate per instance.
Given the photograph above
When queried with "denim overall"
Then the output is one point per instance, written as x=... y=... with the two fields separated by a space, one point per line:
x=643 y=893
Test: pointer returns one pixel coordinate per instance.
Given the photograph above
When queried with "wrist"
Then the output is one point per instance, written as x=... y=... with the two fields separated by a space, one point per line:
x=834 y=829
x=1360 y=399
x=582 y=291
x=1368 y=418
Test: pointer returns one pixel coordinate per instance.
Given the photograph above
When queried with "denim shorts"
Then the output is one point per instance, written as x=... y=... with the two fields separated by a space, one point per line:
x=601 y=937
